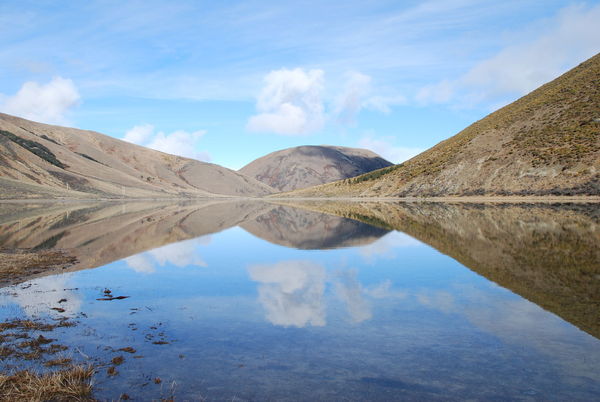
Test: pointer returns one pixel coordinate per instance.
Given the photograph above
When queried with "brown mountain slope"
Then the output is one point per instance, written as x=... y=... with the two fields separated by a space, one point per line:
x=547 y=142
x=306 y=166
x=39 y=160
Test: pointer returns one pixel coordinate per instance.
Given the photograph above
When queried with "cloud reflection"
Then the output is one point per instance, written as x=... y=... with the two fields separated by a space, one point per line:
x=291 y=292
x=350 y=291
x=181 y=254
x=387 y=245
x=44 y=294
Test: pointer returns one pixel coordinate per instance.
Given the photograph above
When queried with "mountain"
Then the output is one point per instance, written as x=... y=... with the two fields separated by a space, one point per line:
x=546 y=143
x=305 y=166
x=43 y=161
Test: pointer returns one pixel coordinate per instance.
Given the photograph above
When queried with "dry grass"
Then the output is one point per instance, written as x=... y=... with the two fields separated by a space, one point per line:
x=16 y=265
x=21 y=341
x=35 y=325
x=73 y=384
x=547 y=142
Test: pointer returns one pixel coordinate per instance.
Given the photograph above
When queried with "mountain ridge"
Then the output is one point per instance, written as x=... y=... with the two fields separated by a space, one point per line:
x=309 y=165
x=545 y=143
x=38 y=160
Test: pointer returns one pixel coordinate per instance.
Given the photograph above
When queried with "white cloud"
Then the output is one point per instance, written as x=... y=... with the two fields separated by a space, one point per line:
x=567 y=39
x=291 y=292
x=384 y=104
x=441 y=92
x=180 y=142
x=290 y=103
x=350 y=101
x=384 y=147
x=139 y=134
x=46 y=103
x=357 y=94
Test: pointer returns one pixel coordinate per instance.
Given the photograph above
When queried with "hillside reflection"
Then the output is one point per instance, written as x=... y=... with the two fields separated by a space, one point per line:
x=548 y=254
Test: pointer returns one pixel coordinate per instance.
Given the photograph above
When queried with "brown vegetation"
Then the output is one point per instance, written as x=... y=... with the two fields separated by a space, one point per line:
x=72 y=384
x=546 y=143
x=18 y=264
x=20 y=340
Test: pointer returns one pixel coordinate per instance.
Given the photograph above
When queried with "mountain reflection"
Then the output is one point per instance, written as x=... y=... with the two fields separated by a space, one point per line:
x=546 y=253
x=307 y=230
x=99 y=233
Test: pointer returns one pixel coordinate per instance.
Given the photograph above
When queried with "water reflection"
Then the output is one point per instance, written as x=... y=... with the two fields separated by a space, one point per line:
x=350 y=291
x=307 y=230
x=547 y=253
x=181 y=254
x=49 y=292
x=439 y=301
x=291 y=292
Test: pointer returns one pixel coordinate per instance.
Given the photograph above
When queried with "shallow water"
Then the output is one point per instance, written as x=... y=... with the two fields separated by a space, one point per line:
x=253 y=301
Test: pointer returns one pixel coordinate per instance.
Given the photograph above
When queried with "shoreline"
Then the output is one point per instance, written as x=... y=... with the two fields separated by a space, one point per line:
x=466 y=199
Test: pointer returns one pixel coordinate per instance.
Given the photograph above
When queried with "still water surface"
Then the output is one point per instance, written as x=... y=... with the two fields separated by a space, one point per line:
x=252 y=301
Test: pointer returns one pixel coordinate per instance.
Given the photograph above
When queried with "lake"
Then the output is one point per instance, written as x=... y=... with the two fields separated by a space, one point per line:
x=250 y=300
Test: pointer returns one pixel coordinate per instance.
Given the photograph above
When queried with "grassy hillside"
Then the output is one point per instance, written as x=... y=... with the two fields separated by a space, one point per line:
x=547 y=142
x=44 y=161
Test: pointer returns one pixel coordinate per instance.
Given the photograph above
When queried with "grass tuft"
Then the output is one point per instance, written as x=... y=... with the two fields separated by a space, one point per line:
x=73 y=384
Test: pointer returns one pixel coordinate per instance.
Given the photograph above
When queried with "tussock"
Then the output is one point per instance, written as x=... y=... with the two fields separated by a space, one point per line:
x=73 y=384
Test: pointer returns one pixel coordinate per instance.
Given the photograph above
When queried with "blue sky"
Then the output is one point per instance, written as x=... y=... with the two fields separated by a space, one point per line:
x=231 y=81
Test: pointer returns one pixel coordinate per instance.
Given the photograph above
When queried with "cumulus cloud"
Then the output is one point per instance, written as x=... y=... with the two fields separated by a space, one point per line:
x=567 y=39
x=291 y=292
x=384 y=147
x=180 y=142
x=46 y=103
x=141 y=134
x=290 y=103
